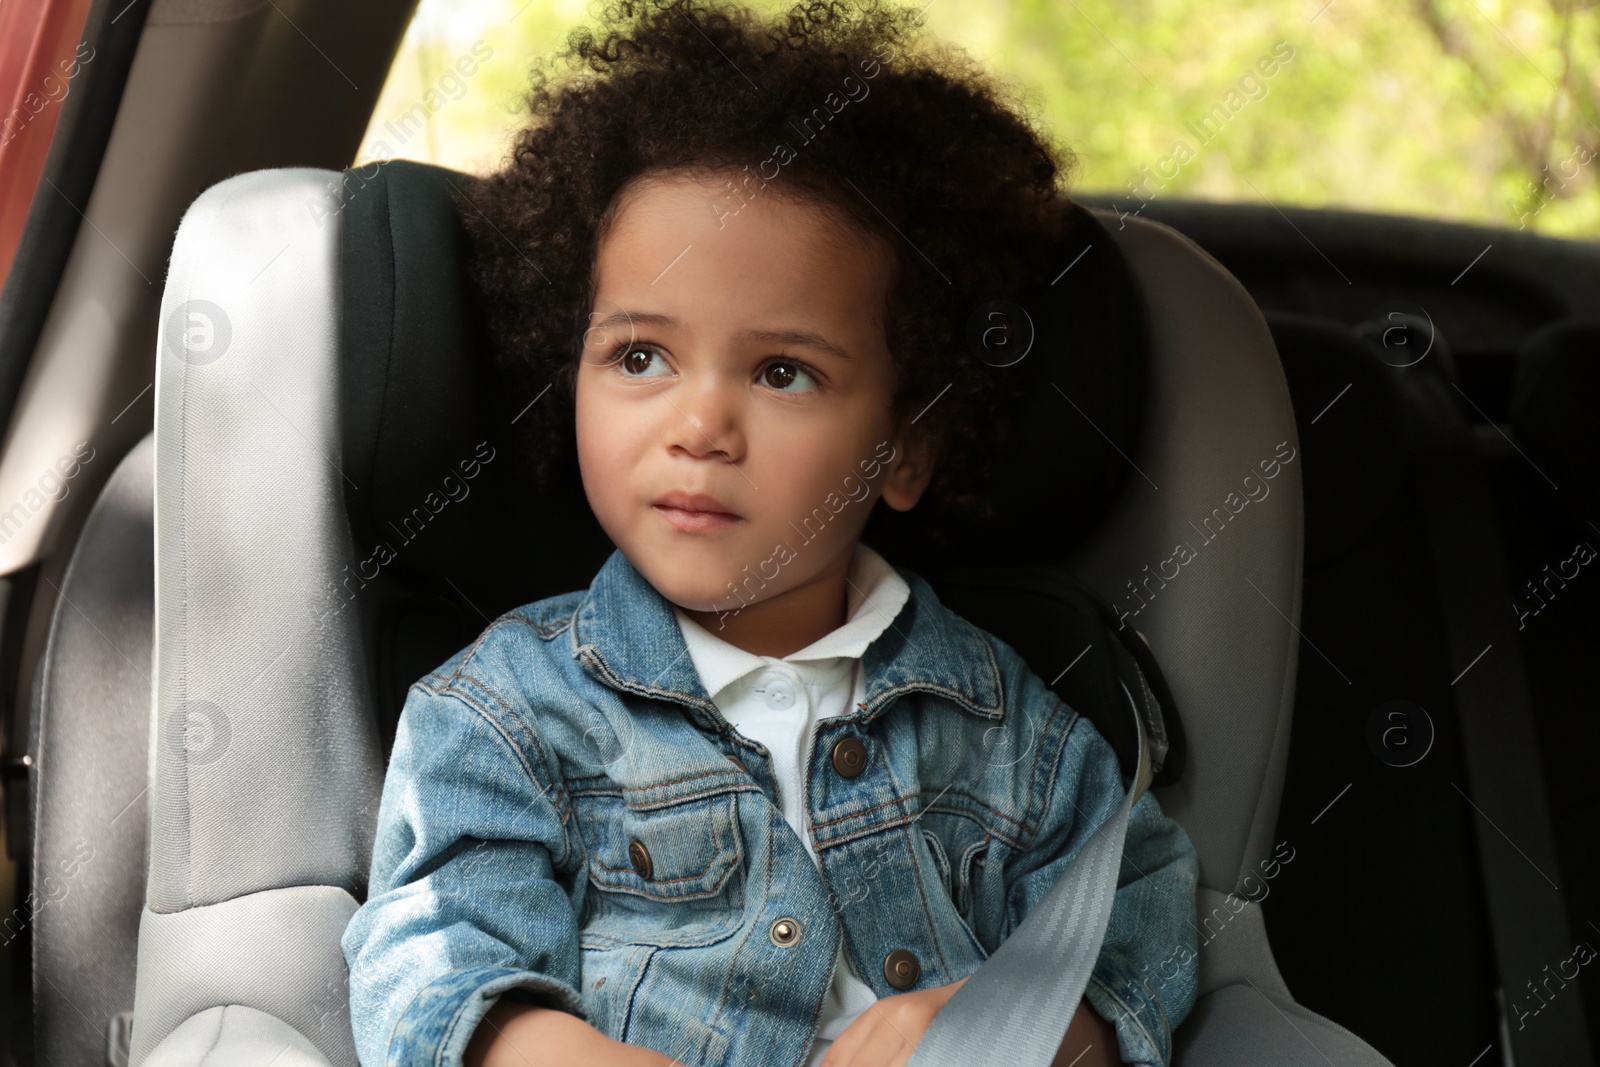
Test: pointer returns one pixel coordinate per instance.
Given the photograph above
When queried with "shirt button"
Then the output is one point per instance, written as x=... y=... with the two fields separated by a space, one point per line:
x=785 y=932
x=639 y=856
x=849 y=757
x=780 y=693
x=900 y=968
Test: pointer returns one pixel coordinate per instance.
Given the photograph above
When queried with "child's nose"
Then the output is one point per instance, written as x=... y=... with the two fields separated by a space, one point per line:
x=706 y=421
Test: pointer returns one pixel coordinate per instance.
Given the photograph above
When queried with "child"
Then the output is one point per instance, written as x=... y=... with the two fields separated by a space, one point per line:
x=754 y=796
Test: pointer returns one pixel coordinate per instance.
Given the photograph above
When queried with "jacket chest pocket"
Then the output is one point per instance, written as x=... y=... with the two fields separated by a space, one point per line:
x=668 y=875
x=960 y=865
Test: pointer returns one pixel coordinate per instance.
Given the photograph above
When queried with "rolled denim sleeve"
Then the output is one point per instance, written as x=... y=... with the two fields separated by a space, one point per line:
x=1145 y=977
x=463 y=903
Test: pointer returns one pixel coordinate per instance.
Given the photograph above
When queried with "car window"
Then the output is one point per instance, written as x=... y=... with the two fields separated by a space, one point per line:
x=1471 y=111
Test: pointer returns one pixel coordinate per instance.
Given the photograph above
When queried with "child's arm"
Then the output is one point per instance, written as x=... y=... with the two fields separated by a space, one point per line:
x=463 y=903
x=1144 y=978
x=522 y=1035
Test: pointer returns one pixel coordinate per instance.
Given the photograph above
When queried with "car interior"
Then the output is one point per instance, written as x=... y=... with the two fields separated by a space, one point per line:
x=1378 y=668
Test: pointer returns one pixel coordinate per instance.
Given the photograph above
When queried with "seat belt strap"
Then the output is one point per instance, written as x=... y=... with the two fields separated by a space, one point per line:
x=1015 y=1008
x=1527 y=909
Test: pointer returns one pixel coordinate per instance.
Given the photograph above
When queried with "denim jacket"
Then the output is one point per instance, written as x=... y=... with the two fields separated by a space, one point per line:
x=568 y=820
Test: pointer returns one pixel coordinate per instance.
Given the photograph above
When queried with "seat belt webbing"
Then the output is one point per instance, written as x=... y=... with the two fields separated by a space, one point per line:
x=1527 y=909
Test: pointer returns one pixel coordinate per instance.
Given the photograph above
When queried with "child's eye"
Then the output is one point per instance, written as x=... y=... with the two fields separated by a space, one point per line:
x=624 y=360
x=782 y=373
x=634 y=361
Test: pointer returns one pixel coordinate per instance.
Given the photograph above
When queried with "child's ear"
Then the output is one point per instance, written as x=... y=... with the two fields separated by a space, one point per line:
x=910 y=470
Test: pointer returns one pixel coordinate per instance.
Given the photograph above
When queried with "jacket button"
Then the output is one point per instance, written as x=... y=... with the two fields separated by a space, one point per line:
x=849 y=757
x=639 y=856
x=900 y=968
x=784 y=932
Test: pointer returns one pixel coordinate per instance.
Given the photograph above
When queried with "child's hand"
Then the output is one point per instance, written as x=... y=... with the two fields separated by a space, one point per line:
x=886 y=1034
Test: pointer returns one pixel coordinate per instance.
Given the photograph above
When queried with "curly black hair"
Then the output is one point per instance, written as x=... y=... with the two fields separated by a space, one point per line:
x=846 y=106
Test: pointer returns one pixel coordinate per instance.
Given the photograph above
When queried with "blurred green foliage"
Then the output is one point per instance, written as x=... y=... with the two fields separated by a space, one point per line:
x=1470 y=110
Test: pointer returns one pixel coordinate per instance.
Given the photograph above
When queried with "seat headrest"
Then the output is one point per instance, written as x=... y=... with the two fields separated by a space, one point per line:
x=416 y=364
x=427 y=465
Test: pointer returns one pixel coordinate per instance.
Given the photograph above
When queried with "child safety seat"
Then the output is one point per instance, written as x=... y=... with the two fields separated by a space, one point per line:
x=321 y=371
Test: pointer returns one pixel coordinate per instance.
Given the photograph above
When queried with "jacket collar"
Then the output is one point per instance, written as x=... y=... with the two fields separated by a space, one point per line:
x=874 y=592
x=625 y=634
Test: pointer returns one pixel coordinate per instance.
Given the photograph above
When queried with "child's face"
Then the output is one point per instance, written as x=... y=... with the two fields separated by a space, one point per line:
x=784 y=433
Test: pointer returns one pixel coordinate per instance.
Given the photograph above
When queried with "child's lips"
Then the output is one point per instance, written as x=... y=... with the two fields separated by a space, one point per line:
x=697 y=521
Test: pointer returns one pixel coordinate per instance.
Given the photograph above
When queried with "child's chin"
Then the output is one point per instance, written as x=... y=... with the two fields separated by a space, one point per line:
x=694 y=581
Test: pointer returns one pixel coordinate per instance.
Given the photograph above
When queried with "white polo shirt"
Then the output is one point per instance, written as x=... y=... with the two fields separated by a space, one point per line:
x=778 y=703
